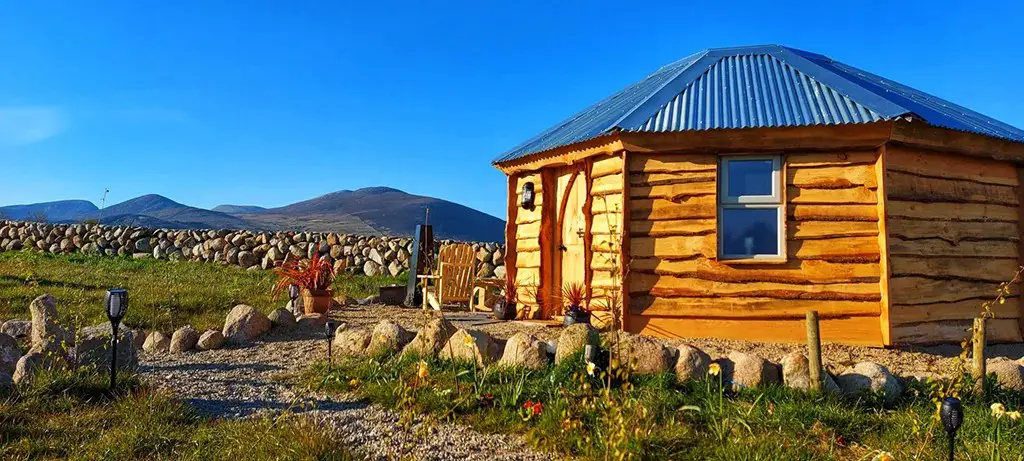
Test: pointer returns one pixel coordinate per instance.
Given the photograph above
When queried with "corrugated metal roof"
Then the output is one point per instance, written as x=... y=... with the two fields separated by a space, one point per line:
x=759 y=86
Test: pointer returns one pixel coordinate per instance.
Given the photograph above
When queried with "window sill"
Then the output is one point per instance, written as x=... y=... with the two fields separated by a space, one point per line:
x=749 y=261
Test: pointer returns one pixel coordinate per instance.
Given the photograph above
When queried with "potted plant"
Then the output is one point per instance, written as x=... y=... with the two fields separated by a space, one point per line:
x=576 y=312
x=313 y=277
x=505 y=306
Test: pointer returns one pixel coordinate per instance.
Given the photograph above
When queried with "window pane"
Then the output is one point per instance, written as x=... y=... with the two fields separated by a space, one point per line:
x=750 y=231
x=749 y=177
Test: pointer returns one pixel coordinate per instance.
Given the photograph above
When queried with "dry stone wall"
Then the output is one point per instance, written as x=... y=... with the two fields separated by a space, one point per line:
x=360 y=254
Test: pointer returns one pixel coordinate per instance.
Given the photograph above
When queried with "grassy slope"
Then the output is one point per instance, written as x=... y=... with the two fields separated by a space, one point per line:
x=65 y=416
x=163 y=295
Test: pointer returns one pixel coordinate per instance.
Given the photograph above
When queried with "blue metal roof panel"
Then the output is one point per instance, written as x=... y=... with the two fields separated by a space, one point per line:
x=758 y=86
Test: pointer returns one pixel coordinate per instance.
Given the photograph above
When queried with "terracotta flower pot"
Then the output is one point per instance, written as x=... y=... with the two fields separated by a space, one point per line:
x=317 y=301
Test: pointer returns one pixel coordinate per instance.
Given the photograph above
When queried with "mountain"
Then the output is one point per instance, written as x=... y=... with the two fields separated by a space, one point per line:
x=160 y=207
x=64 y=210
x=235 y=209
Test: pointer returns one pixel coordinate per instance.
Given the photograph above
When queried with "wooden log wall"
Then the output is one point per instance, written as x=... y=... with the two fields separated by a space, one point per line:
x=679 y=288
x=527 y=244
x=953 y=237
x=606 y=231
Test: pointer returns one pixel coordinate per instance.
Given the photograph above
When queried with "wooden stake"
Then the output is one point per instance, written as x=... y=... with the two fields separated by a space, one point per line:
x=979 y=356
x=814 y=350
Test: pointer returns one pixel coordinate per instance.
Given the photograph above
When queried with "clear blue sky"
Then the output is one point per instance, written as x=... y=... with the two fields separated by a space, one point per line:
x=271 y=102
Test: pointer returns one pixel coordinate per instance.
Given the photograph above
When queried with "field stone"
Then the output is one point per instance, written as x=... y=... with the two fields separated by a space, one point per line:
x=431 y=338
x=47 y=334
x=313 y=322
x=282 y=318
x=526 y=351
x=351 y=341
x=156 y=341
x=184 y=339
x=19 y=329
x=29 y=364
x=388 y=336
x=93 y=348
x=573 y=339
x=9 y=353
x=692 y=363
x=745 y=370
x=644 y=355
x=138 y=338
x=870 y=377
x=244 y=324
x=471 y=346
x=1009 y=373
x=6 y=380
x=211 y=339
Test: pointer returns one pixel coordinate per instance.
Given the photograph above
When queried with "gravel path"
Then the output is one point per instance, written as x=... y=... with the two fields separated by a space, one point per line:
x=253 y=380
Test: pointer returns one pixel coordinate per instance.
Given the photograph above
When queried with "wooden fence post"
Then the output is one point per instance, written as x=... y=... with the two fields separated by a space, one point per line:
x=814 y=350
x=979 y=356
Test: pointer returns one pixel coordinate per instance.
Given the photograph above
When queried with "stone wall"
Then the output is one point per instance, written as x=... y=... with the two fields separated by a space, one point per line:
x=360 y=254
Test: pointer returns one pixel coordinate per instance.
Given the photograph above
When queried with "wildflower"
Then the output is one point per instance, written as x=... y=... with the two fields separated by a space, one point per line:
x=422 y=372
x=1013 y=415
x=591 y=367
x=354 y=382
x=714 y=369
x=998 y=410
x=883 y=456
x=467 y=340
x=538 y=408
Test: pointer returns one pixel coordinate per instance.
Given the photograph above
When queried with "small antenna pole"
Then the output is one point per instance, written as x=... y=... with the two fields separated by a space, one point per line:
x=103 y=202
x=427 y=219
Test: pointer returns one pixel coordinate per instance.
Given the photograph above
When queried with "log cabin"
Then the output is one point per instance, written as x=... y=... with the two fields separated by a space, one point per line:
x=730 y=192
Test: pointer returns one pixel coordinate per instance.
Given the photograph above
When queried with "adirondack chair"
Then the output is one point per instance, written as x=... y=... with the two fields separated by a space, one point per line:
x=452 y=281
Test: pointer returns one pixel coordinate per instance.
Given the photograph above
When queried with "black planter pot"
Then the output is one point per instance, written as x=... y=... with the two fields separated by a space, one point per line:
x=576 y=315
x=504 y=310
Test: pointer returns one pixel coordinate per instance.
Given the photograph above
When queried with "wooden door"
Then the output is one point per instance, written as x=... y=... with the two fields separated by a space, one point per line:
x=569 y=255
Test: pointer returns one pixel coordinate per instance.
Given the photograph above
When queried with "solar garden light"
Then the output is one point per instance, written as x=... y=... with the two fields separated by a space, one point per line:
x=329 y=332
x=116 y=302
x=293 y=294
x=952 y=415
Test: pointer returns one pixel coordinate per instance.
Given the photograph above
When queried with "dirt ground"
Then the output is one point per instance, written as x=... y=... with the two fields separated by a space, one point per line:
x=908 y=360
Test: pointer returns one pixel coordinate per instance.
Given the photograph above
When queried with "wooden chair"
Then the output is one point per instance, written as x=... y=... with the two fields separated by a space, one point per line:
x=452 y=282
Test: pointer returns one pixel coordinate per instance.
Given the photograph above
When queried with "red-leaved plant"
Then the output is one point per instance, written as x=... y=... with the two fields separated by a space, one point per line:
x=317 y=274
x=511 y=289
x=573 y=294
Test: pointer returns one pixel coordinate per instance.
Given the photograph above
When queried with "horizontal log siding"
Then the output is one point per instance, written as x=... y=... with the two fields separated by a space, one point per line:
x=953 y=238
x=606 y=230
x=528 y=253
x=679 y=288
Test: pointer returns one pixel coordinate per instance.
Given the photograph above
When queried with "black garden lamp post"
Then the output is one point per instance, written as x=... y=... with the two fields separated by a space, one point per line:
x=952 y=415
x=116 y=302
x=329 y=333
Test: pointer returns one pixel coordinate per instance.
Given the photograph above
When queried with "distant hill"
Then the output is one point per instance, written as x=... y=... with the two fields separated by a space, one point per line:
x=372 y=210
x=233 y=209
x=63 y=210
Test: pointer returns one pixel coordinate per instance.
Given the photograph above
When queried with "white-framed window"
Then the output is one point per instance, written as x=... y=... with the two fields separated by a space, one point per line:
x=751 y=212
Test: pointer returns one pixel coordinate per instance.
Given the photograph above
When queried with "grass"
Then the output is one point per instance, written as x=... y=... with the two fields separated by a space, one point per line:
x=164 y=295
x=64 y=415
x=656 y=417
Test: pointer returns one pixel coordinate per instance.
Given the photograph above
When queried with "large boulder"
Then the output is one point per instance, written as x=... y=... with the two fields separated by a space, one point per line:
x=19 y=329
x=431 y=338
x=523 y=350
x=351 y=341
x=138 y=338
x=47 y=334
x=643 y=355
x=388 y=337
x=184 y=339
x=210 y=339
x=692 y=363
x=31 y=363
x=282 y=318
x=9 y=353
x=796 y=374
x=870 y=377
x=244 y=324
x=156 y=342
x=471 y=346
x=575 y=338
x=1009 y=374
x=311 y=322
x=93 y=348
x=745 y=370
x=6 y=380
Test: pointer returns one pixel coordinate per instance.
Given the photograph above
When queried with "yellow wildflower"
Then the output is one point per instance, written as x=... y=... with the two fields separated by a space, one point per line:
x=354 y=382
x=422 y=372
x=467 y=340
x=714 y=369
x=1013 y=415
x=998 y=410
x=591 y=368
x=883 y=456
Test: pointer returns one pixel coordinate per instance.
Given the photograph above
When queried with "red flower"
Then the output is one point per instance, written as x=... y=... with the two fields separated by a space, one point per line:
x=528 y=405
x=538 y=408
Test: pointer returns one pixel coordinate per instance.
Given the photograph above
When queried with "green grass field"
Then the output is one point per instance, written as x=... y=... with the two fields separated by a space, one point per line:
x=163 y=295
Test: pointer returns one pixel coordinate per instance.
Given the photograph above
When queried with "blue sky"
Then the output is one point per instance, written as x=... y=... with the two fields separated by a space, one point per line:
x=272 y=102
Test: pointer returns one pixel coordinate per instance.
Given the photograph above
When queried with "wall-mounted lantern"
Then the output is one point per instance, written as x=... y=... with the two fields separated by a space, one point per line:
x=528 y=196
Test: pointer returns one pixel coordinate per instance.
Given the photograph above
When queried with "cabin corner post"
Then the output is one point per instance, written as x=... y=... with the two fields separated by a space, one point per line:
x=883 y=249
x=510 y=227
x=624 y=250
x=1020 y=242
x=588 y=233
